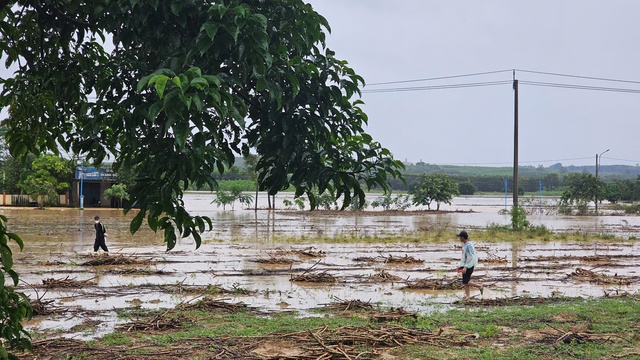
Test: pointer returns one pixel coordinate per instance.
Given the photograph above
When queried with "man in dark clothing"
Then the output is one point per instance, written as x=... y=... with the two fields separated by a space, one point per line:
x=101 y=234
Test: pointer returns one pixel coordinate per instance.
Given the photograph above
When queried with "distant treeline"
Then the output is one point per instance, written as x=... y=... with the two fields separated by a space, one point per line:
x=485 y=179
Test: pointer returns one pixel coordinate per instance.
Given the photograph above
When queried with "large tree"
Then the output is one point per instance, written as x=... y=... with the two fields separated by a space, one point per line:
x=177 y=89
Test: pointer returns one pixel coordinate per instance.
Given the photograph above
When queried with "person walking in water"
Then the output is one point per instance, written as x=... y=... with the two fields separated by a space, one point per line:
x=101 y=234
x=467 y=263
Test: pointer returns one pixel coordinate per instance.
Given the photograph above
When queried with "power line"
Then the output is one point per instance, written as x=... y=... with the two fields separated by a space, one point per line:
x=579 y=87
x=631 y=161
x=578 y=76
x=438 y=78
x=438 y=87
x=520 y=162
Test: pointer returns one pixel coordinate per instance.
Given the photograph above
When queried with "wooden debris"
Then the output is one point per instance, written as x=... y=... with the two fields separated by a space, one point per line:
x=516 y=301
x=366 y=259
x=318 y=277
x=406 y=259
x=493 y=258
x=159 y=322
x=349 y=305
x=593 y=277
x=434 y=284
x=383 y=276
x=115 y=260
x=209 y=304
x=66 y=283
x=41 y=307
x=274 y=260
x=393 y=314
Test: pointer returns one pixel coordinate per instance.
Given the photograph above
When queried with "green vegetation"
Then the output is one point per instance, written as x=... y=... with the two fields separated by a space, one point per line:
x=436 y=187
x=47 y=176
x=171 y=97
x=14 y=306
x=608 y=325
x=118 y=192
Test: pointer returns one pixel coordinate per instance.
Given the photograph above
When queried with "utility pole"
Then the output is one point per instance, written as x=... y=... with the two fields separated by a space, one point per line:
x=515 y=140
x=597 y=167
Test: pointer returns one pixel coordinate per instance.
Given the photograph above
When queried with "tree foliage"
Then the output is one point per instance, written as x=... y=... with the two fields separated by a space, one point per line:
x=581 y=189
x=434 y=187
x=14 y=306
x=46 y=178
x=177 y=89
x=118 y=192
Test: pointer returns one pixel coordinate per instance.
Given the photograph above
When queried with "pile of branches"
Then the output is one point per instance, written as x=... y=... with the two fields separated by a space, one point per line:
x=133 y=271
x=66 y=283
x=383 y=276
x=434 y=284
x=311 y=276
x=309 y=252
x=406 y=259
x=115 y=260
x=356 y=342
x=316 y=277
x=160 y=322
x=517 y=301
x=211 y=305
x=41 y=307
x=274 y=261
x=593 y=277
x=393 y=314
x=366 y=259
x=349 y=305
x=493 y=258
x=570 y=337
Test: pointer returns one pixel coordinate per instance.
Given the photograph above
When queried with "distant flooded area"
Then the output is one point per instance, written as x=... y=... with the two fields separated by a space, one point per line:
x=241 y=260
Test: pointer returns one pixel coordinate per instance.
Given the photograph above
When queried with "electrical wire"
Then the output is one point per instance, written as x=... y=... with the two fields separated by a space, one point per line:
x=438 y=87
x=579 y=87
x=578 y=76
x=439 y=78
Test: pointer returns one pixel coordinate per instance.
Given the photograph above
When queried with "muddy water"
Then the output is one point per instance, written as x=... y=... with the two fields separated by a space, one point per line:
x=59 y=241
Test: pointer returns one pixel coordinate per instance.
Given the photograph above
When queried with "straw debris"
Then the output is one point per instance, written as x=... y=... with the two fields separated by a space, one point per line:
x=593 y=277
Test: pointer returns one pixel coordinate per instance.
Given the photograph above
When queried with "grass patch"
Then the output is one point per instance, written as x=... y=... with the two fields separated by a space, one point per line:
x=605 y=326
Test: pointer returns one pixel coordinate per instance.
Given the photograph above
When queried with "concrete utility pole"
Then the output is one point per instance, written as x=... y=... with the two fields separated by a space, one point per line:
x=515 y=140
x=597 y=167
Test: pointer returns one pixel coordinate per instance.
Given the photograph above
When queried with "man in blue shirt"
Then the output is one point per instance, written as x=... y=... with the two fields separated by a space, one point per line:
x=467 y=263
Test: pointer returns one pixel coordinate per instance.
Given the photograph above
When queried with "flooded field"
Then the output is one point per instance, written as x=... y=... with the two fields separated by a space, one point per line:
x=243 y=261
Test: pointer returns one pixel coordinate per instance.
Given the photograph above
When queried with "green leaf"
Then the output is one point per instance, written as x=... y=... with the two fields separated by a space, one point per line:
x=7 y=257
x=17 y=239
x=199 y=83
x=181 y=132
x=136 y=222
x=154 y=110
x=170 y=237
x=14 y=276
x=161 y=83
x=211 y=28
x=142 y=84
x=176 y=80
x=197 y=238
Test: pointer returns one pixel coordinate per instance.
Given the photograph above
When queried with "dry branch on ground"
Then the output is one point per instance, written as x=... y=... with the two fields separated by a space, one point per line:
x=383 y=276
x=597 y=278
x=115 y=260
x=435 y=284
x=50 y=283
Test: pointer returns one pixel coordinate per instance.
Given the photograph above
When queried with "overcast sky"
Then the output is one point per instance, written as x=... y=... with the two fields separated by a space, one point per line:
x=393 y=40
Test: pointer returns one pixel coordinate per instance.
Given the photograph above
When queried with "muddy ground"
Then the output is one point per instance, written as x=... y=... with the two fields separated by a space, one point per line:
x=78 y=294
